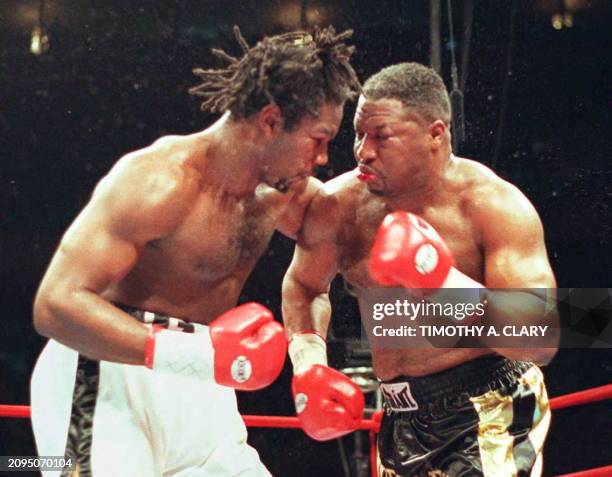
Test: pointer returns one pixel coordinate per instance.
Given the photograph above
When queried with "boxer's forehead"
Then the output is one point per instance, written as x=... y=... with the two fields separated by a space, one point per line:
x=327 y=122
x=376 y=113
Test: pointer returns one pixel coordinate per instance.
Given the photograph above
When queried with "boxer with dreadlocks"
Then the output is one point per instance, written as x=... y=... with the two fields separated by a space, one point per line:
x=139 y=301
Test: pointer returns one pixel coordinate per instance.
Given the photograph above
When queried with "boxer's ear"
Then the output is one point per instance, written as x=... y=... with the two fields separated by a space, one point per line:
x=438 y=131
x=270 y=120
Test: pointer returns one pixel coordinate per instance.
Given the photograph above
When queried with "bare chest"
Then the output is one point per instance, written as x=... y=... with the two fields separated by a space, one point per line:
x=223 y=237
x=452 y=223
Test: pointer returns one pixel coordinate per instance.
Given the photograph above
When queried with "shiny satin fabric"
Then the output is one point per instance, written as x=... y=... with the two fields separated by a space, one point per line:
x=468 y=426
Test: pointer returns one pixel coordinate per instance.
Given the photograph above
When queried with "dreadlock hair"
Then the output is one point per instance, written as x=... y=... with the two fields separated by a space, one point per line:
x=415 y=85
x=296 y=71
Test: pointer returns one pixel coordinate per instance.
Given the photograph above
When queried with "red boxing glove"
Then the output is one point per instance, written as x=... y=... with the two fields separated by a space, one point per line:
x=328 y=403
x=409 y=252
x=250 y=347
x=244 y=349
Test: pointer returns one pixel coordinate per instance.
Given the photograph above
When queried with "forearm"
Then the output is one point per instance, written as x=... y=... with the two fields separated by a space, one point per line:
x=519 y=306
x=91 y=325
x=306 y=313
x=524 y=308
x=304 y=309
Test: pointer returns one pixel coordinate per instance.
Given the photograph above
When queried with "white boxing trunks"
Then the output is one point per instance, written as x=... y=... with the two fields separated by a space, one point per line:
x=117 y=420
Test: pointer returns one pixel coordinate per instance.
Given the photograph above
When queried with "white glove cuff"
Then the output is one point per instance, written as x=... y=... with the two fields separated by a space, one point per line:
x=458 y=288
x=186 y=354
x=306 y=350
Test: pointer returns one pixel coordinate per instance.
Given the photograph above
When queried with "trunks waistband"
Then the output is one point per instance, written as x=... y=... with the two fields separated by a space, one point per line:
x=158 y=319
x=460 y=382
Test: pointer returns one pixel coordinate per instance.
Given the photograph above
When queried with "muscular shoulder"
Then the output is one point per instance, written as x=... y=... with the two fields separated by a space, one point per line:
x=501 y=211
x=154 y=186
x=338 y=196
x=293 y=218
x=345 y=187
x=330 y=208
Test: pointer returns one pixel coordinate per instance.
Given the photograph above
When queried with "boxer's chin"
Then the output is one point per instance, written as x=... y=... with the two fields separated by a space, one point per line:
x=377 y=192
x=283 y=185
x=377 y=188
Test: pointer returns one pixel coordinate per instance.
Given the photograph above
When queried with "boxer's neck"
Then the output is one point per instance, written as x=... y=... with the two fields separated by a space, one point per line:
x=232 y=155
x=431 y=185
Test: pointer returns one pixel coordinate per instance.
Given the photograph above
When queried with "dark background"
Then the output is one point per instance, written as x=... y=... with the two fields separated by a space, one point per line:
x=114 y=78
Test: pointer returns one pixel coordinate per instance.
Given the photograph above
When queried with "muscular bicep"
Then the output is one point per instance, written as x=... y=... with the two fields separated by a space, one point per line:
x=515 y=252
x=306 y=303
x=315 y=259
x=314 y=267
x=292 y=220
x=132 y=206
x=92 y=255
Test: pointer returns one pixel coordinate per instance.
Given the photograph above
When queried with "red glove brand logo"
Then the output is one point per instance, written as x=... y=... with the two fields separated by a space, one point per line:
x=426 y=259
x=241 y=369
x=300 y=402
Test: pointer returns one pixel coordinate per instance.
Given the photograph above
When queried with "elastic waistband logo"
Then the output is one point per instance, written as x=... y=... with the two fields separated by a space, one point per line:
x=398 y=397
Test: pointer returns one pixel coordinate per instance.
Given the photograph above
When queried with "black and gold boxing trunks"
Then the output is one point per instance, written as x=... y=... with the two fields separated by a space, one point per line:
x=486 y=417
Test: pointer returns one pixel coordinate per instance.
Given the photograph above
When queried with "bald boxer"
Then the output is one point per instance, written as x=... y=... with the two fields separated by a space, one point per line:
x=140 y=298
x=416 y=216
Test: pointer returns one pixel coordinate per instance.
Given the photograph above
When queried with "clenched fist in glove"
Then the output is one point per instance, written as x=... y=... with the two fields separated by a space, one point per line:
x=328 y=403
x=244 y=348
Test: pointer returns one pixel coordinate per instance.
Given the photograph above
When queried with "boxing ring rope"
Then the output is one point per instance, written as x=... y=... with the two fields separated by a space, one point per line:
x=372 y=425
